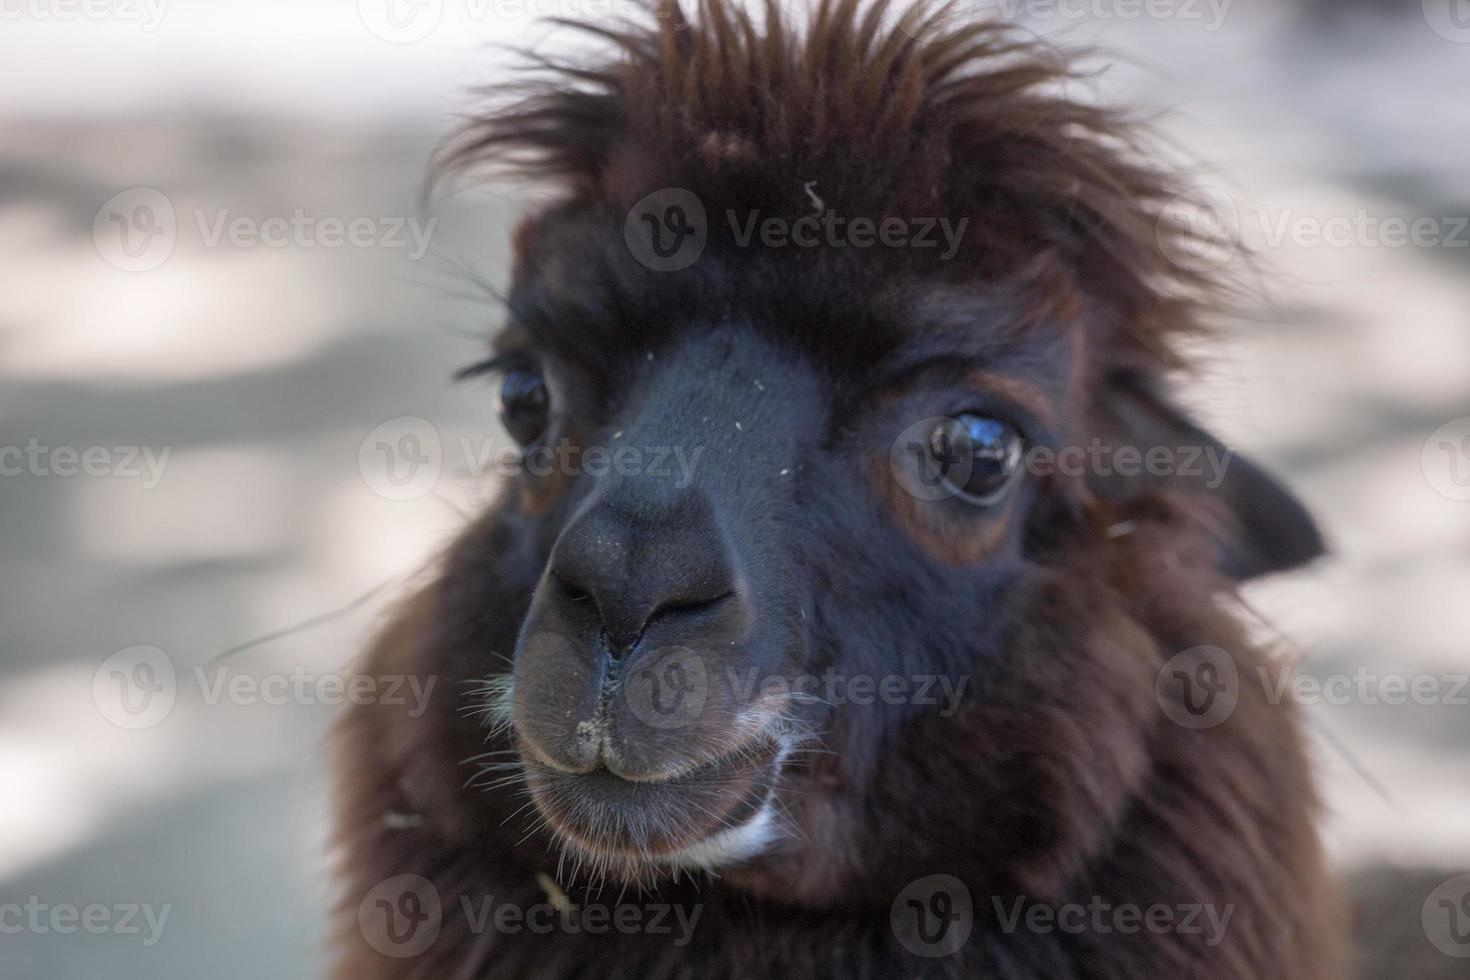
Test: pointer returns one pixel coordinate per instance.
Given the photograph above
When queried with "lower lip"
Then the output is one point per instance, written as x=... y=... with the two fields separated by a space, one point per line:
x=604 y=815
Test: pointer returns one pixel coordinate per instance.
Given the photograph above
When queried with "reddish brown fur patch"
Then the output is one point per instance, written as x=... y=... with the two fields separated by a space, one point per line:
x=948 y=531
x=1025 y=396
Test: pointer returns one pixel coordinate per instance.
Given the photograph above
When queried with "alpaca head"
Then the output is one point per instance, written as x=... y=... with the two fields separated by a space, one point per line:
x=797 y=358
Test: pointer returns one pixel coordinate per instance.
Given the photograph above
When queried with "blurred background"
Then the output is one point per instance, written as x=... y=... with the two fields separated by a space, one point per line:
x=227 y=437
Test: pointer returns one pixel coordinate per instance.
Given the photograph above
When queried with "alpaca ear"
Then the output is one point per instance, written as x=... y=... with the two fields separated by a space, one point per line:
x=1267 y=529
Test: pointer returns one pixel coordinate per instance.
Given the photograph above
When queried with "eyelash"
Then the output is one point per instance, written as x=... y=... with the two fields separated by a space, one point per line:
x=494 y=364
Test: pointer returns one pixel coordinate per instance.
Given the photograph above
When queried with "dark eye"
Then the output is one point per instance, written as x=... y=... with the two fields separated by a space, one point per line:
x=524 y=404
x=976 y=456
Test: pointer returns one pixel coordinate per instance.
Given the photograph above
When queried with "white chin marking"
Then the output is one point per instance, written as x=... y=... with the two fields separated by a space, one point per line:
x=728 y=846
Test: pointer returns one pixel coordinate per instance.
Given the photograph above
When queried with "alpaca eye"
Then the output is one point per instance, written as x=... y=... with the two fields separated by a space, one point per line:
x=524 y=404
x=977 y=456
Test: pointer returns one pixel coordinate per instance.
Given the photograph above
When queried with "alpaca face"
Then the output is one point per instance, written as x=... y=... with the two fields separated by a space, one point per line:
x=793 y=585
x=805 y=519
x=777 y=565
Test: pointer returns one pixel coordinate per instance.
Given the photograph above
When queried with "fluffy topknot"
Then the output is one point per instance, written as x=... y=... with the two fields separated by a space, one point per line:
x=868 y=111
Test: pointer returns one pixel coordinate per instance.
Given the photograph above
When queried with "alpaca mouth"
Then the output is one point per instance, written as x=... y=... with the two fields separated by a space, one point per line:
x=714 y=814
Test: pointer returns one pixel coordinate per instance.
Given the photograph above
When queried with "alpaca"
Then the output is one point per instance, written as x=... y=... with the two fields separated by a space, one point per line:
x=874 y=682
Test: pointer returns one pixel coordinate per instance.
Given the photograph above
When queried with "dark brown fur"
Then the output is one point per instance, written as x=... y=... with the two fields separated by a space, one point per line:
x=1060 y=779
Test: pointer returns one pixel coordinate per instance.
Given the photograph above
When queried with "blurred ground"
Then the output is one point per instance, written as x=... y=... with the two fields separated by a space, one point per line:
x=262 y=371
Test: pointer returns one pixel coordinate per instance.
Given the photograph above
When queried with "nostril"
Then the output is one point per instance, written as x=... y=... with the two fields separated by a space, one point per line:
x=677 y=607
x=625 y=564
x=570 y=590
x=685 y=607
x=617 y=647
